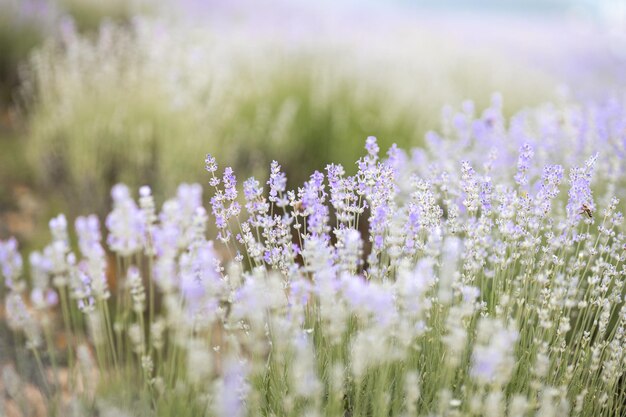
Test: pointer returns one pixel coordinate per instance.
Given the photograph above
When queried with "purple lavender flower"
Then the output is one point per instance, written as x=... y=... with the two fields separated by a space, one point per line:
x=300 y=291
x=230 y=184
x=223 y=204
x=313 y=195
x=210 y=164
x=378 y=225
x=81 y=284
x=486 y=189
x=580 y=194
x=252 y=190
x=232 y=390
x=349 y=249
x=367 y=165
x=94 y=264
x=56 y=253
x=189 y=198
x=334 y=173
x=369 y=298
x=492 y=358
x=396 y=158
x=44 y=298
x=343 y=195
x=526 y=154
x=199 y=276
x=550 y=181
x=277 y=183
x=471 y=186
x=88 y=231
x=470 y=294
x=10 y=262
x=183 y=220
x=219 y=212
x=372 y=147
x=256 y=205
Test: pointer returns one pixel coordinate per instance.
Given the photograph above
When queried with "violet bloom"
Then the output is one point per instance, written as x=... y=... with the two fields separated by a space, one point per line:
x=248 y=304
x=178 y=219
x=486 y=190
x=166 y=238
x=313 y=196
x=378 y=225
x=580 y=194
x=210 y=164
x=493 y=358
x=56 y=253
x=41 y=295
x=223 y=204
x=369 y=298
x=550 y=181
x=147 y=205
x=277 y=183
x=300 y=292
x=94 y=264
x=43 y=298
x=372 y=147
x=349 y=249
x=396 y=158
x=232 y=389
x=368 y=170
x=126 y=223
x=343 y=195
x=219 y=212
x=10 y=262
x=89 y=237
x=471 y=186
x=199 y=277
x=256 y=205
x=230 y=184
x=526 y=154
x=81 y=285
x=189 y=198
x=411 y=287
x=252 y=190
x=334 y=173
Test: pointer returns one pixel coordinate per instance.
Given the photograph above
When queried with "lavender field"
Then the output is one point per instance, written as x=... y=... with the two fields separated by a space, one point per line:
x=312 y=209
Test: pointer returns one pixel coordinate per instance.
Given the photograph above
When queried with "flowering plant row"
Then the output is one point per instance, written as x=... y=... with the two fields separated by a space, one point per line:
x=483 y=275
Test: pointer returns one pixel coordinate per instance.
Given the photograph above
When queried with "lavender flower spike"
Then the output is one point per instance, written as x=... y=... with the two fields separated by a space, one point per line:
x=10 y=262
x=126 y=223
x=580 y=194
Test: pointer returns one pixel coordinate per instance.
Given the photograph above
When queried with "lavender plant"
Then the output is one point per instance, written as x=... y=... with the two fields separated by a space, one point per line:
x=482 y=275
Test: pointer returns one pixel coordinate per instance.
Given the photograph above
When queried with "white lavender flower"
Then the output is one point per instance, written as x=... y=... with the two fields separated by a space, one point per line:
x=126 y=223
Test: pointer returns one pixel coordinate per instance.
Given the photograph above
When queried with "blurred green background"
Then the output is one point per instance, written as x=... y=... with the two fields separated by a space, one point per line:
x=95 y=92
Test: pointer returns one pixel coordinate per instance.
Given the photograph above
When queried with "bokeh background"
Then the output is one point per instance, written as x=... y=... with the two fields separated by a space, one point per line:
x=97 y=92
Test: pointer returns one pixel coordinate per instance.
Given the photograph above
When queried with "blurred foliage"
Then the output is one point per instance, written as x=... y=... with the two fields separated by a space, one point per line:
x=24 y=24
x=12 y=163
x=27 y=24
x=89 y=14
x=143 y=105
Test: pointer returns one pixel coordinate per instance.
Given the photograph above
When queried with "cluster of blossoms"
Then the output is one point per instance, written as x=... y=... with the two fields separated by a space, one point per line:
x=482 y=275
